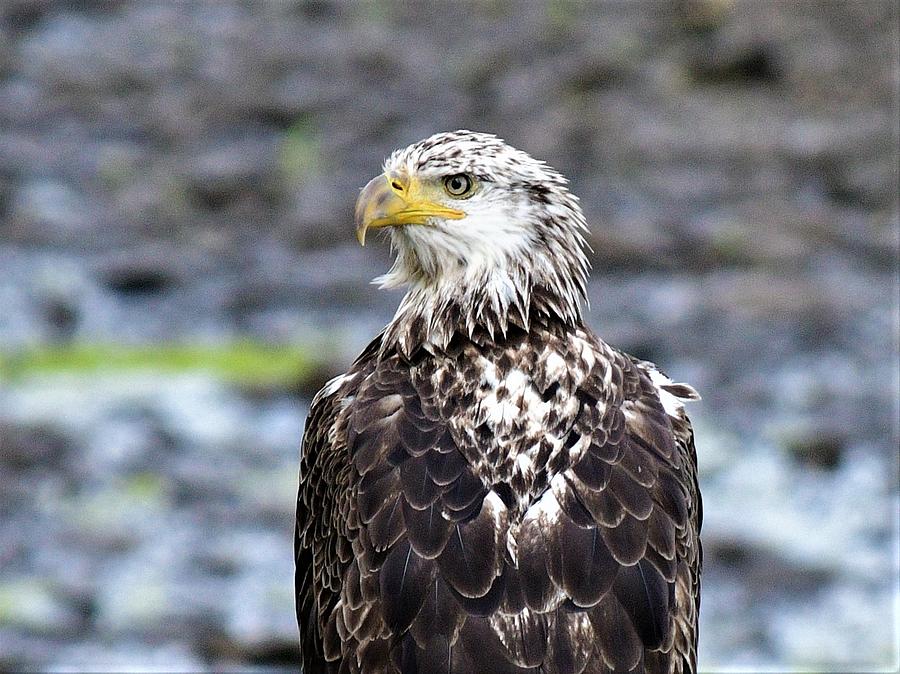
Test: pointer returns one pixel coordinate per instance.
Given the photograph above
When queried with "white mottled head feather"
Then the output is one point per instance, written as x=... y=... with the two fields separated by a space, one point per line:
x=520 y=247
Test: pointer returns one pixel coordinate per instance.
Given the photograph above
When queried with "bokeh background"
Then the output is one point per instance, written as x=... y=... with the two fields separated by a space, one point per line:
x=178 y=275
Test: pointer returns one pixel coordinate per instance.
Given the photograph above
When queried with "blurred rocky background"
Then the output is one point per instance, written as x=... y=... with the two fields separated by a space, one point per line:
x=178 y=275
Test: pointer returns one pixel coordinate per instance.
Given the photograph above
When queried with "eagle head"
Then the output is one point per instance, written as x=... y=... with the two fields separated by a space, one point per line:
x=484 y=235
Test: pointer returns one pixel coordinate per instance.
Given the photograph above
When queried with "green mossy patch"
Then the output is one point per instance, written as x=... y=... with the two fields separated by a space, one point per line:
x=300 y=154
x=242 y=362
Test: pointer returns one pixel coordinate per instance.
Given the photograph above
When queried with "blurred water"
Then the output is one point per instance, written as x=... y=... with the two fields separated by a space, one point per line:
x=184 y=173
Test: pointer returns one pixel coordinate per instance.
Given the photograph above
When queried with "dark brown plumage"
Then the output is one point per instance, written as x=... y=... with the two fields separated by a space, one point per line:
x=498 y=500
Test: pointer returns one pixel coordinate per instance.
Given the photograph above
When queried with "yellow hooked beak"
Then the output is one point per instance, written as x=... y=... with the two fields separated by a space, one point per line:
x=392 y=200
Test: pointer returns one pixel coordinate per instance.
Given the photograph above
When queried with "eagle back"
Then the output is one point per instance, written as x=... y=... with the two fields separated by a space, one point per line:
x=514 y=504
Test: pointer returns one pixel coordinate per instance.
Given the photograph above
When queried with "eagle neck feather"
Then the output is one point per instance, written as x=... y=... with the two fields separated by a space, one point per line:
x=431 y=313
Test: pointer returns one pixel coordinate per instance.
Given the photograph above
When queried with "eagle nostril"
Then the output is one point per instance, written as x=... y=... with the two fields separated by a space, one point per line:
x=396 y=185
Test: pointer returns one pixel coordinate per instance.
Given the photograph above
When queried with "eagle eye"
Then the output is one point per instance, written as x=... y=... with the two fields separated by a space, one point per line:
x=459 y=185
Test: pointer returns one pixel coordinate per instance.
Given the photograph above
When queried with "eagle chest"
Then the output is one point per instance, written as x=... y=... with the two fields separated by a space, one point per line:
x=518 y=413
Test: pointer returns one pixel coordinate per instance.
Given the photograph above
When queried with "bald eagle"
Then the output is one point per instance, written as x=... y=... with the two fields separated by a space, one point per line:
x=490 y=487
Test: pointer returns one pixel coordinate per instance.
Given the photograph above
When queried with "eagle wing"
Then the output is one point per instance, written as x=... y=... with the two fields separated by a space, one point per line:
x=321 y=539
x=414 y=554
